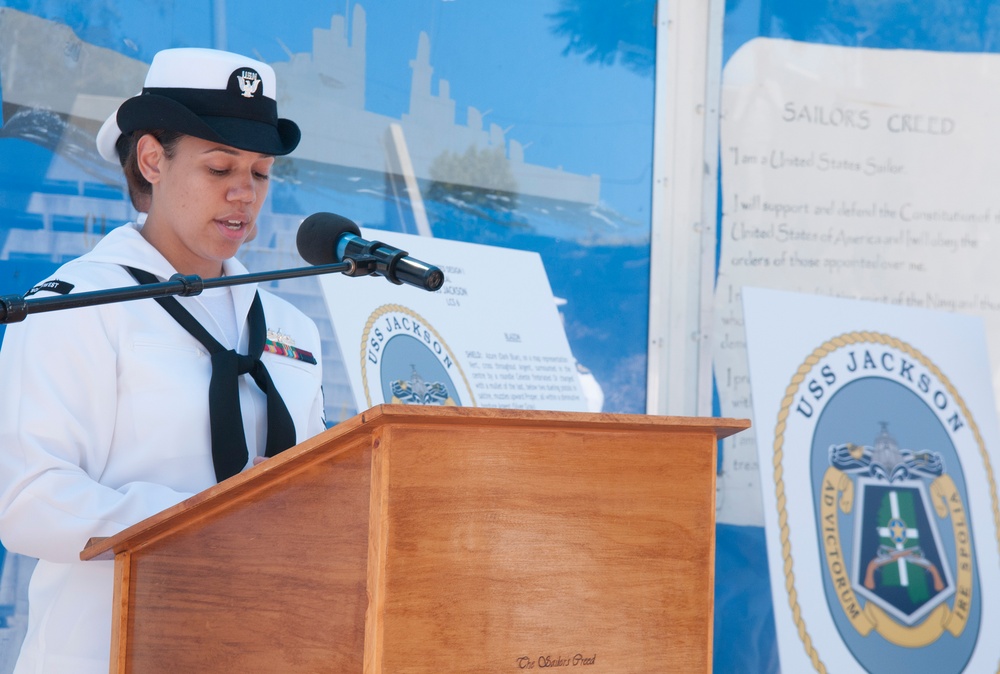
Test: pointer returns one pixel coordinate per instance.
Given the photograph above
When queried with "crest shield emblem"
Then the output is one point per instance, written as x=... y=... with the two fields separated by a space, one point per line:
x=899 y=563
x=881 y=508
x=885 y=430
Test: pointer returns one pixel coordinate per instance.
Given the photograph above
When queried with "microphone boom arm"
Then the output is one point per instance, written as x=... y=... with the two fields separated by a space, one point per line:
x=15 y=308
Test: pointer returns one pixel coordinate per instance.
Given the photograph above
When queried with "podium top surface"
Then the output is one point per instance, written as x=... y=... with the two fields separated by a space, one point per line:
x=363 y=423
x=723 y=427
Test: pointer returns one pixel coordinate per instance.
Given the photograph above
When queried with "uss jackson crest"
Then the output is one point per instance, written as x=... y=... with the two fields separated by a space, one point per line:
x=879 y=440
x=405 y=360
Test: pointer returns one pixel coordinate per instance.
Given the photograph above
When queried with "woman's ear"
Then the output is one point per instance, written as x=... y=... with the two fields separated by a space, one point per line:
x=149 y=155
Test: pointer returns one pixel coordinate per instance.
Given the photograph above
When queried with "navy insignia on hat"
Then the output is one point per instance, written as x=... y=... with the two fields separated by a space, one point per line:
x=245 y=82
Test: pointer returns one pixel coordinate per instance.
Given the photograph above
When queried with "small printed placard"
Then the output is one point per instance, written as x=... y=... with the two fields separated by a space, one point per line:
x=491 y=336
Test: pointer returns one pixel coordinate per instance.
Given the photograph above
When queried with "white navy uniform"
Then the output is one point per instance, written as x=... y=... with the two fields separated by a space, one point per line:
x=104 y=421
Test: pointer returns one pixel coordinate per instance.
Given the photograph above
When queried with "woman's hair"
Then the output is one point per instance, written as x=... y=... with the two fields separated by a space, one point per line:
x=139 y=189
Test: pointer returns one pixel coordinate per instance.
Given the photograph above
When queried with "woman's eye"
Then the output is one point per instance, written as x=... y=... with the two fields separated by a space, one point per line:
x=217 y=172
x=262 y=176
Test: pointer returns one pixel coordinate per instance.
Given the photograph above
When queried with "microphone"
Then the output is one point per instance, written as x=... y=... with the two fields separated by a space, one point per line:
x=325 y=238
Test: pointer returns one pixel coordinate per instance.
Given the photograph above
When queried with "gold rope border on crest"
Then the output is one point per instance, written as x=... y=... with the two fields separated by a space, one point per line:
x=385 y=309
x=807 y=366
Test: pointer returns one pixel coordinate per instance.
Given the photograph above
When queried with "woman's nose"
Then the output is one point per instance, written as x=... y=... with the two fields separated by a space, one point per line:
x=243 y=190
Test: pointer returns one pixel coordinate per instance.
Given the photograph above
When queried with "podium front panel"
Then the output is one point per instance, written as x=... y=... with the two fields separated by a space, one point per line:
x=525 y=548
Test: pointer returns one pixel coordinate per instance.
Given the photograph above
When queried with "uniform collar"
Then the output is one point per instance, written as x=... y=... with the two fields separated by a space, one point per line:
x=125 y=246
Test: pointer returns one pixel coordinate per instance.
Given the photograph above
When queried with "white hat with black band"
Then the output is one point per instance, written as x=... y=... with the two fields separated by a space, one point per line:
x=210 y=94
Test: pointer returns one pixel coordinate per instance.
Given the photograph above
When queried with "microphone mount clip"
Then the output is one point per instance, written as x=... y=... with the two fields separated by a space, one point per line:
x=367 y=263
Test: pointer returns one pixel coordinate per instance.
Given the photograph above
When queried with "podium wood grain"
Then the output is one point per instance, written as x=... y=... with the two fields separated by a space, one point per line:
x=413 y=540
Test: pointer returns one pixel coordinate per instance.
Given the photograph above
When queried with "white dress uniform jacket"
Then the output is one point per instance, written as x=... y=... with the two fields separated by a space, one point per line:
x=104 y=421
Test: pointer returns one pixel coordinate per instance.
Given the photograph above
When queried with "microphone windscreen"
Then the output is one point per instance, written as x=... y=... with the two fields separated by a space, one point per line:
x=318 y=235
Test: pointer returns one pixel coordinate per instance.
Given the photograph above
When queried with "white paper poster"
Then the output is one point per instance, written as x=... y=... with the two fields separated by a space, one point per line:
x=851 y=172
x=877 y=435
x=490 y=337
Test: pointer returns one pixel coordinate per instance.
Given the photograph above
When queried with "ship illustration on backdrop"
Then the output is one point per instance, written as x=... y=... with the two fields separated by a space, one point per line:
x=329 y=84
x=56 y=88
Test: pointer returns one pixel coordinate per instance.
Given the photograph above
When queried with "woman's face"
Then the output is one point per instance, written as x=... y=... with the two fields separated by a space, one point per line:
x=206 y=198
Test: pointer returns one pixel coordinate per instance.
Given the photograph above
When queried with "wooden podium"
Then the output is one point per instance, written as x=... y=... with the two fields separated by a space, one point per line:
x=427 y=539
